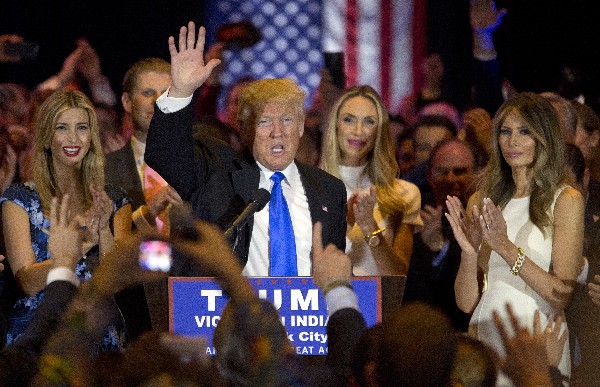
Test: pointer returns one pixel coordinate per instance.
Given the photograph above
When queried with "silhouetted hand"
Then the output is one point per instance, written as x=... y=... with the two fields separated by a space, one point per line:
x=484 y=15
x=329 y=263
x=526 y=361
x=89 y=62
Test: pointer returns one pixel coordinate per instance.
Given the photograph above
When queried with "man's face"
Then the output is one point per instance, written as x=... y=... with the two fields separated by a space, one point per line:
x=426 y=138
x=586 y=142
x=232 y=106
x=140 y=102
x=452 y=172
x=277 y=134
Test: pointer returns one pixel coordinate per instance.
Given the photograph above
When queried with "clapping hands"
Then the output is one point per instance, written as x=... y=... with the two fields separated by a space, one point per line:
x=493 y=225
x=97 y=218
x=466 y=230
x=64 y=242
x=431 y=234
x=360 y=210
x=486 y=225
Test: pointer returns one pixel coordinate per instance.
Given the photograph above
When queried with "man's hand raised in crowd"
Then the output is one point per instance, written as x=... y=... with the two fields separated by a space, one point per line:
x=330 y=263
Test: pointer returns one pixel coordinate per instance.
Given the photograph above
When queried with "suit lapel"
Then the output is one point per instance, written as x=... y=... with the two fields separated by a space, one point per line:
x=132 y=167
x=312 y=189
x=245 y=182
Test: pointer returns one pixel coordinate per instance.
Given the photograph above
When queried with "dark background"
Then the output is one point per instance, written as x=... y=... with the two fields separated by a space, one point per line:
x=535 y=39
x=122 y=32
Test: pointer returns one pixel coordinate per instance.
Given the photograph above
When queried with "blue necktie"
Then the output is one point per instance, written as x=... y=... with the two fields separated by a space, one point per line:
x=281 y=239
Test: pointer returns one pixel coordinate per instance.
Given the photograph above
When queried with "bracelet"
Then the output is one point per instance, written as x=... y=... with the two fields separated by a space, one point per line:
x=335 y=284
x=519 y=262
x=374 y=233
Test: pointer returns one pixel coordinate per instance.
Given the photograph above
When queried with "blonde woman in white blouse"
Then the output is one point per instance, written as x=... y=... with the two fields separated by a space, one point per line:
x=383 y=211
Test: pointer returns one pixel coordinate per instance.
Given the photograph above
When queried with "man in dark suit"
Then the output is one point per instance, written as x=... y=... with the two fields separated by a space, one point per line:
x=125 y=168
x=436 y=254
x=143 y=83
x=584 y=310
x=272 y=119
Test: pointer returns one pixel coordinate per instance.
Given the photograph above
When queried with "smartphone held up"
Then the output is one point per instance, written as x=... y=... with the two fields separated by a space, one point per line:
x=156 y=255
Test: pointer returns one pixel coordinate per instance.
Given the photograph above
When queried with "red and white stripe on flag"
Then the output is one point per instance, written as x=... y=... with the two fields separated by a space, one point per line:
x=383 y=42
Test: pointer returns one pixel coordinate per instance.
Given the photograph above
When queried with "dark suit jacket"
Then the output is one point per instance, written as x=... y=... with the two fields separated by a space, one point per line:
x=219 y=185
x=583 y=316
x=19 y=361
x=120 y=171
x=434 y=283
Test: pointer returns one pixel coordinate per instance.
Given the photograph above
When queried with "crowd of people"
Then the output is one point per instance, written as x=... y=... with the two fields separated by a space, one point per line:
x=490 y=212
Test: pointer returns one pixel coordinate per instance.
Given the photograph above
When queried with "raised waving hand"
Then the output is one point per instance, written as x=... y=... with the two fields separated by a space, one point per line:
x=188 y=69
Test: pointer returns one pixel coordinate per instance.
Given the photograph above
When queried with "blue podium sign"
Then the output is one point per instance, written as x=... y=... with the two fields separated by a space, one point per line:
x=196 y=304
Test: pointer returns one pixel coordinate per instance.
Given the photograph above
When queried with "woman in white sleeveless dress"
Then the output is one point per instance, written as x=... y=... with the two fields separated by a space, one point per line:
x=521 y=238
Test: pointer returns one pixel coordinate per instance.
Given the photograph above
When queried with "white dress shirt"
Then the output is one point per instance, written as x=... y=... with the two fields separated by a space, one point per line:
x=293 y=190
x=138 y=154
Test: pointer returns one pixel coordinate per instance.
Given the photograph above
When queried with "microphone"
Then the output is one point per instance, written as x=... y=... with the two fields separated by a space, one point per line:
x=260 y=199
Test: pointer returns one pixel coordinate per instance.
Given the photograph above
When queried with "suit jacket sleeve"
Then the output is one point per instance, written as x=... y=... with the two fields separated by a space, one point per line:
x=18 y=362
x=170 y=151
x=344 y=330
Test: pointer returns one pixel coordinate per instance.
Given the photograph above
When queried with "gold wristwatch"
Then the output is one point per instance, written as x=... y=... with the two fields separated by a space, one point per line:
x=374 y=238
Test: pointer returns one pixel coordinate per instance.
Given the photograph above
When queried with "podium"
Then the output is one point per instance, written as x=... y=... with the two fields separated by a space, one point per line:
x=391 y=290
x=392 y=294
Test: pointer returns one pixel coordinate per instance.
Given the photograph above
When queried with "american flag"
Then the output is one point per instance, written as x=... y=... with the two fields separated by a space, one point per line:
x=382 y=40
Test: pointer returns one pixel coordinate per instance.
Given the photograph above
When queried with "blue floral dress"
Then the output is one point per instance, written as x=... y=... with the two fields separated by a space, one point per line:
x=25 y=196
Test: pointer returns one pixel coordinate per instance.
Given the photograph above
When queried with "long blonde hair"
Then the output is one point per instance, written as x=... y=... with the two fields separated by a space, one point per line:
x=548 y=168
x=92 y=169
x=382 y=167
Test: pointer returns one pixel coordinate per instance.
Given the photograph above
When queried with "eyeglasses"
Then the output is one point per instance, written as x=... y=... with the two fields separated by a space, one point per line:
x=456 y=171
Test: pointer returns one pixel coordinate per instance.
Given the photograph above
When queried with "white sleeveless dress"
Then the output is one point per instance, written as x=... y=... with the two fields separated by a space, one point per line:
x=502 y=287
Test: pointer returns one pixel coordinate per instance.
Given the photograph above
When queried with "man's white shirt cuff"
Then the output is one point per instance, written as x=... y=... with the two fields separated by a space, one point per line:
x=62 y=274
x=339 y=298
x=168 y=104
